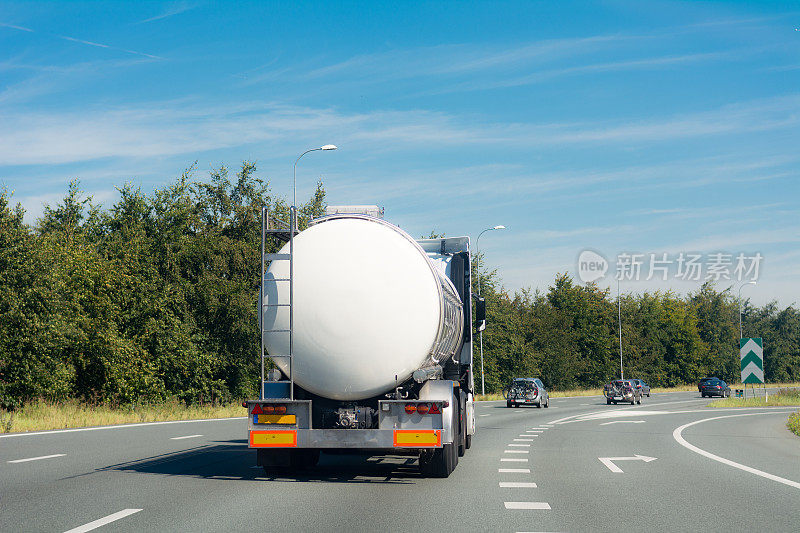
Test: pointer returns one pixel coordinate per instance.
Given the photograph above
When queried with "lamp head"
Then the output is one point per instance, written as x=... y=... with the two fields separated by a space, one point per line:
x=328 y=147
x=499 y=227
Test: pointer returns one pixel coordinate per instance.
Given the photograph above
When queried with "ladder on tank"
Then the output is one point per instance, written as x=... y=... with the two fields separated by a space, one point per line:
x=280 y=230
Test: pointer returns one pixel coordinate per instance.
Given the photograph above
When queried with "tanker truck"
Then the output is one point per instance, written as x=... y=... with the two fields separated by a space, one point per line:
x=369 y=332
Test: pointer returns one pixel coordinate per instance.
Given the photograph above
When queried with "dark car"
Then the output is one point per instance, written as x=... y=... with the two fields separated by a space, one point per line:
x=526 y=391
x=700 y=383
x=641 y=385
x=622 y=390
x=715 y=387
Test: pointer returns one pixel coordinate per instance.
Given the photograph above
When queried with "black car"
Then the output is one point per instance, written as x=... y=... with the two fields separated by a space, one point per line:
x=702 y=381
x=715 y=387
x=642 y=386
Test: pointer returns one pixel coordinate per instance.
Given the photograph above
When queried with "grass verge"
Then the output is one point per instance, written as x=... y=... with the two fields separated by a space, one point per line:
x=794 y=423
x=783 y=398
x=38 y=416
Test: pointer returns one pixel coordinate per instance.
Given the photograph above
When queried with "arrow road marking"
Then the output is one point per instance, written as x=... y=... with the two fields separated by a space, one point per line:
x=617 y=470
x=623 y=422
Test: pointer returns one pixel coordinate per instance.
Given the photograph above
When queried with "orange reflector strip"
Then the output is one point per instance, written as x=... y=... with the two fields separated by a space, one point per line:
x=410 y=438
x=274 y=419
x=273 y=439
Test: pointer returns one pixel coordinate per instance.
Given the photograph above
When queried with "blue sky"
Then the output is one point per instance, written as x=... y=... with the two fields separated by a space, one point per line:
x=638 y=127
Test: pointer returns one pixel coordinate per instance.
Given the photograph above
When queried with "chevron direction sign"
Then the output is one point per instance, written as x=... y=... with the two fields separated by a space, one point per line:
x=751 y=356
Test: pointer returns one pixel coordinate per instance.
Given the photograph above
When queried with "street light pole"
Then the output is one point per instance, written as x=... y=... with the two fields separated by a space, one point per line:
x=480 y=333
x=294 y=180
x=619 y=315
x=739 y=299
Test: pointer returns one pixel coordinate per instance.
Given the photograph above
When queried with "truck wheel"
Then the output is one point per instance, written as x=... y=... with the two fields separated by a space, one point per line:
x=462 y=430
x=442 y=461
x=303 y=458
x=468 y=442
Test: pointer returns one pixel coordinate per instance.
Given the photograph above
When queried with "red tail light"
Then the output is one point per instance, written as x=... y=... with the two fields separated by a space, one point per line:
x=423 y=408
x=268 y=409
x=411 y=408
x=280 y=409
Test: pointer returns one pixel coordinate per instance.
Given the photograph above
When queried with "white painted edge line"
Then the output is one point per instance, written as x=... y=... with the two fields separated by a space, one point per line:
x=541 y=506
x=514 y=470
x=185 y=437
x=521 y=445
x=509 y=460
x=120 y=426
x=37 y=458
x=103 y=521
x=517 y=485
x=516 y=451
x=677 y=435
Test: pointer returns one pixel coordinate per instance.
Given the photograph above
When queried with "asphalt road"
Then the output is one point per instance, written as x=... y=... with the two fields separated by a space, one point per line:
x=528 y=470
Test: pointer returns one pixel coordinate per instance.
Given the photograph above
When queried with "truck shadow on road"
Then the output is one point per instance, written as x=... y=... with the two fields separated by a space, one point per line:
x=232 y=460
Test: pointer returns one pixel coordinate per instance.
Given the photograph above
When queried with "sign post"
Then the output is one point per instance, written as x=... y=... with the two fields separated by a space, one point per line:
x=751 y=359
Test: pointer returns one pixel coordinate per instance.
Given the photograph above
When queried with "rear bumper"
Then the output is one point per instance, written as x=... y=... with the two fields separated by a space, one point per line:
x=346 y=438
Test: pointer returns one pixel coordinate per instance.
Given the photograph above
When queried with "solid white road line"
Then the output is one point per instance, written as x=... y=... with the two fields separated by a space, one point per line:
x=677 y=435
x=120 y=426
x=521 y=445
x=542 y=506
x=103 y=521
x=517 y=485
x=37 y=458
x=512 y=460
x=514 y=470
x=186 y=437
x=516 y=451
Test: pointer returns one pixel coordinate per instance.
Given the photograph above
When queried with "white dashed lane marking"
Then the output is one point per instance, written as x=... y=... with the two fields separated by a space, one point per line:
x=521 y=445
x=523 y=440
x=517 y=485
x=514 y=470
x=515 y=451
x=103 y=521
x=527 y=505
x=512 y=460
x=37 y=458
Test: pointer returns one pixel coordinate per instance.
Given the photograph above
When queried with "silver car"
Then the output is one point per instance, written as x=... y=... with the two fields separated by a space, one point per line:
x=526 y=391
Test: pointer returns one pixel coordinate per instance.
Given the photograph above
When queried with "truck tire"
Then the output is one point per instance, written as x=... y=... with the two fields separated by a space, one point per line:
x=468 y=442
x=462 y=425
x=303 y=458
x=442 y=461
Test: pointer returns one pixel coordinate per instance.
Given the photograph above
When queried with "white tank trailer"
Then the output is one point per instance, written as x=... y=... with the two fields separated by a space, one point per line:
x=370 y=334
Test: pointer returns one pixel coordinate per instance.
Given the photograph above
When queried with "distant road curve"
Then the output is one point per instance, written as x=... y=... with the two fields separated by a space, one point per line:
x=678 y=436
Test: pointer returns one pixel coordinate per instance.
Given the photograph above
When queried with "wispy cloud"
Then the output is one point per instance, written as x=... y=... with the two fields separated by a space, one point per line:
x=181 y=127
x=82 y=41
x=174 y=8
